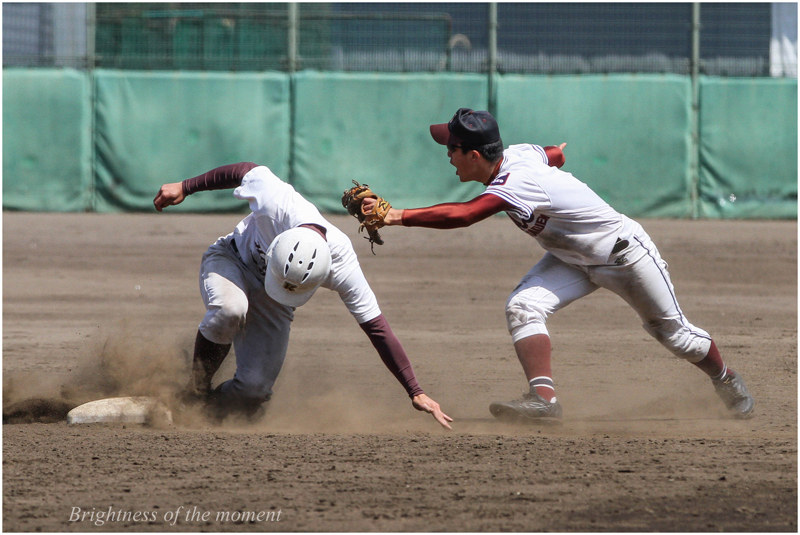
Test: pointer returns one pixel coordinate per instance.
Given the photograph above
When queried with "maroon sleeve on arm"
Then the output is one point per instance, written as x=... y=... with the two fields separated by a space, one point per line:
x=455 y=214
x=555 y=156
x=392 y=353
x=225 y=177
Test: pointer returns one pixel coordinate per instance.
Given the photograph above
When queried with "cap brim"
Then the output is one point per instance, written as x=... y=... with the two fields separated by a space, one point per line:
x=440 y=133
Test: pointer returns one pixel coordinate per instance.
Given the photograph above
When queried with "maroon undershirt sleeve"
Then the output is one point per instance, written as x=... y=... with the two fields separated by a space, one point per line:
x=455 y=214
x=555 y=156
x=225 y=177
x=392 y=353
x=464 y=214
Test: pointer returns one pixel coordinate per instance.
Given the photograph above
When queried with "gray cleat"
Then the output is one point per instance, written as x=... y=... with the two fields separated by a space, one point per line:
x=734 y=394
x=531 y=409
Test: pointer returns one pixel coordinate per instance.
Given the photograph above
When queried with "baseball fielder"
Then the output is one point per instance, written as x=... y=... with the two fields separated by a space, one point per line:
x=252 y=280
x=589 y=246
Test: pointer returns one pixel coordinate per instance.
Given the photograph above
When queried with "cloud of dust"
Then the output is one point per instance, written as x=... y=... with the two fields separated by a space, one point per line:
x=315 y=397
x=324 y=399
x=125 y=363
x=134 y=362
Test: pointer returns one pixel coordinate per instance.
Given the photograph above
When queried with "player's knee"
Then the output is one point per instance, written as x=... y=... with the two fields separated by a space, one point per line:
x=524 y=318
x=684 y=341
x=221 y=323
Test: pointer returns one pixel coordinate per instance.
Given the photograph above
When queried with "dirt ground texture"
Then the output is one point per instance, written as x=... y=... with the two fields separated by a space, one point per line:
x=102 y=305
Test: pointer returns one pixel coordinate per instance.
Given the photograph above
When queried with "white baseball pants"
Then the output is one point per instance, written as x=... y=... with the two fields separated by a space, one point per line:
x=239 y=310
x=641 y=279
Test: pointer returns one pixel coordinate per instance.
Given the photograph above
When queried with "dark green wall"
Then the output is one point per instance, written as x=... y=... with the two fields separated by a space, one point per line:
x=107 y=141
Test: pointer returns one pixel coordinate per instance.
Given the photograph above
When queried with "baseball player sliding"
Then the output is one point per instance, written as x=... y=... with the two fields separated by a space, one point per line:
x=589 y=246
x=252 y=280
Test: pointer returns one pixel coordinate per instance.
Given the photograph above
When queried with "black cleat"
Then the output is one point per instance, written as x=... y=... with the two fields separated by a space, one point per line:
x=189 y=397
x=734 y=394
x=531 y=409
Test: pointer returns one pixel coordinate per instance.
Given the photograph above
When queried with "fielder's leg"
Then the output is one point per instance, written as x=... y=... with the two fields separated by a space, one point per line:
x=728 y=384
x=548 y=287
x=645 y=285
x=534 y=354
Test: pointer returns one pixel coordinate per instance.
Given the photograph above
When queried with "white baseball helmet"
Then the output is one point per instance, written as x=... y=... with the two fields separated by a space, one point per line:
x=298 y=262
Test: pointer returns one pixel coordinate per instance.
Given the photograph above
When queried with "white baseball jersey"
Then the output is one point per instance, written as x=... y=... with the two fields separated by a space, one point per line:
x=565 y=216
x=277 y=207
x=579 y=230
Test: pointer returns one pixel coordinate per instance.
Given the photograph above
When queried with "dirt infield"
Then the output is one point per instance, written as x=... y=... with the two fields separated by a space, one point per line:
x=99 y=305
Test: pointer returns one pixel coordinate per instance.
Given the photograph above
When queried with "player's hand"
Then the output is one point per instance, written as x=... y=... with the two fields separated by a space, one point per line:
x=423 y=403
x=555 y=155
x=169 y=195
x=368 y=204
x=393 y=216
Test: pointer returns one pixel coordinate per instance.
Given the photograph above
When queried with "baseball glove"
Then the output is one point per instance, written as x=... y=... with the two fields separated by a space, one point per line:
x=372 y=221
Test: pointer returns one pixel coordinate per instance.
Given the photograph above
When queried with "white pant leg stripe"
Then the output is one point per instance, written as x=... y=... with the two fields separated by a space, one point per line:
x=670 y=288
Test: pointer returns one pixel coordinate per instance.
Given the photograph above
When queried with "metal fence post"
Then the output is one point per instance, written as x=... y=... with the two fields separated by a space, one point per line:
x=694 y=161
x=492 y=66
x=291 y=67
x=292 y=37
x=91 y=33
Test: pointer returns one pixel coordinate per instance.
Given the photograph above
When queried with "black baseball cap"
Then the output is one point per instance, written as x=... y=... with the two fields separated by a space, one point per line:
x=468 y=128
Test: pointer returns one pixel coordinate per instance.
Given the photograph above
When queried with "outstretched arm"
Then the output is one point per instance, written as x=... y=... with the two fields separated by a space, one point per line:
x=395 y=358
x=225 y=177
x=457 y=214
x=447 y=215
